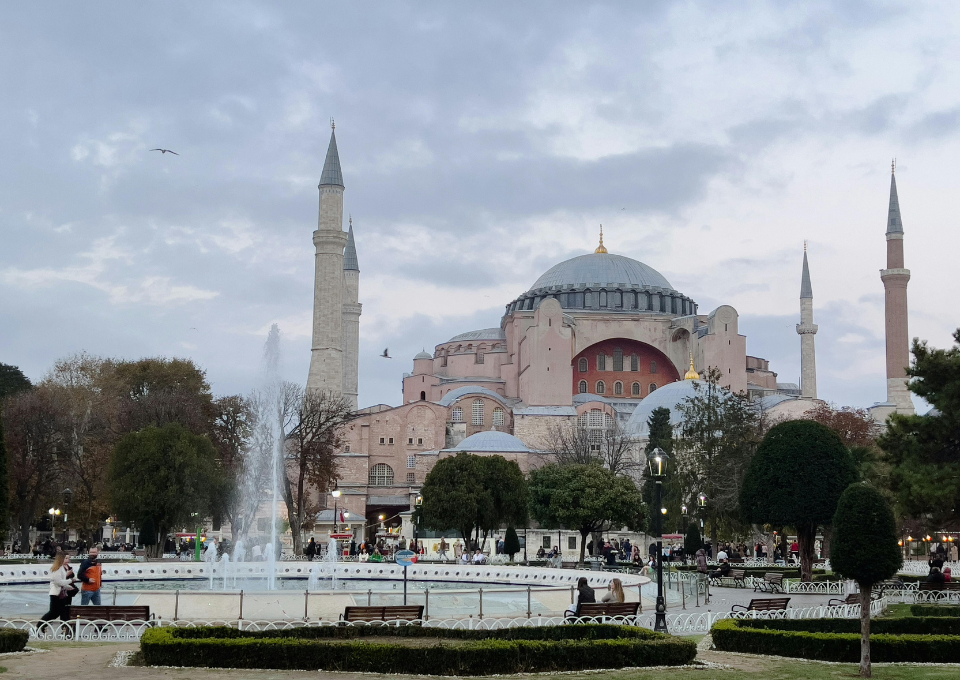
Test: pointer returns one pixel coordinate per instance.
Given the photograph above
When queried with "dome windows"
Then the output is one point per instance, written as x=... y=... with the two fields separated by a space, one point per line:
x=477 y=412
x=634 y=362
x=653 y=387
x=582 y=387
x=618 y=388
x=601 y=364
x=583 y=365
x=635 y=389
x=618 y=359
x=653 y=367
x=601 y=388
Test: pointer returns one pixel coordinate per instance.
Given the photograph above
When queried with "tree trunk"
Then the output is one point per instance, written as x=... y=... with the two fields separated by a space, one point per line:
x=806 y=536
x=865 y=670
x=583 y=543
x=827 y=533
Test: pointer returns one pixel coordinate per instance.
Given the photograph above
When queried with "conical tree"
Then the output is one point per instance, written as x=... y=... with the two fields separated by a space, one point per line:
x=691 y=541
x=864 y=548
x=4 y=491
x=511 y=542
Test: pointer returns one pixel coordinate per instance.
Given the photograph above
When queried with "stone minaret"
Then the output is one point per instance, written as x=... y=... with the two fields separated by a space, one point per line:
x=351 y=319
x=807 y=330
x=326 y=357
x=895 y=278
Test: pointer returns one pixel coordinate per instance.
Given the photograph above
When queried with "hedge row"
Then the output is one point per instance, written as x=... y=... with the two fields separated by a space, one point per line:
x=177 y=647
x=927 y=625
x=730 y=635
x=935 y=610
x=13 y=640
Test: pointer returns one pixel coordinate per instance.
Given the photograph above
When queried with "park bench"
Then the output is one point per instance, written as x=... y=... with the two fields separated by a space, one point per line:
x=603 y=610
x=771 y=582
x=892 y=584
x=110 y=613
x=738 y=576
x=771 y=604
x=949 y=585
x=852 y=598
x=395 y=613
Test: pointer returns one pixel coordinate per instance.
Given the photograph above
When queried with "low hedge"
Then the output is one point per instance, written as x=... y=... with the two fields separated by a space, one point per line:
x=331 y=648
x=13 y=640
x=935 y=610
x=738 y=635
x=927 y=625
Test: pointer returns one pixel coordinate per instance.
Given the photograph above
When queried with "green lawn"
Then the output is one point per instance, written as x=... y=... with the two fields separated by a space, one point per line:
x=765 y=669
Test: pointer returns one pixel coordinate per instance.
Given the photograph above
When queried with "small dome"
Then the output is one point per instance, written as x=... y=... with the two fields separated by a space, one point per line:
x=669 y=396
x=423 y=355
x=604 y=269
x=453 y=395
x=491 y=442
x=482 y=334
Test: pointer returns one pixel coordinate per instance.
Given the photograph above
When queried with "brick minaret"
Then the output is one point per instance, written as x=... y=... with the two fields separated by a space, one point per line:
x=351 y=319
x=895 y=278
x=326 y=357
x=807 y=330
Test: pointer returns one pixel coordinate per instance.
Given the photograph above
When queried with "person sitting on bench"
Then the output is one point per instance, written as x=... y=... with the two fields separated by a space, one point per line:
x=615 y=593
x=722 y=572
x=935 y=576
x=585 y=594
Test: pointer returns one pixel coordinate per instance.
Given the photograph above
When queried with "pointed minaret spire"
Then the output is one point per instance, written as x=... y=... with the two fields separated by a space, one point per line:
x=806 y=329
x=350 y=262
x=895 y=278
x=331 y=175
x=894 y=223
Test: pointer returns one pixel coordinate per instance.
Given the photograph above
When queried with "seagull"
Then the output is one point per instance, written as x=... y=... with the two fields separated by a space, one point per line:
x=386 y=354
x=166 y=151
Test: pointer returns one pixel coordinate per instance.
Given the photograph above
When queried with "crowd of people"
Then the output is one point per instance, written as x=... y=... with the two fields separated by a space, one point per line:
x=938 y=556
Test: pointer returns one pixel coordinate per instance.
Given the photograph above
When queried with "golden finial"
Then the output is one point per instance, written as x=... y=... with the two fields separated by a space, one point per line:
x=333 y=126
x=600 y=248
x=804 y=243
x=692 y=373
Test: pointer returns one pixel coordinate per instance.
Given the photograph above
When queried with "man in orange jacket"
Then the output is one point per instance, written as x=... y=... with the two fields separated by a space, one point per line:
x=91 y=575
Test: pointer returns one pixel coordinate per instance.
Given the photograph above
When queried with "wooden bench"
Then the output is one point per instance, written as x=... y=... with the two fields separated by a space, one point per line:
x=893 y=584
x=949 y=585
x=396 y=613
x=738 y=576
x=110 y=613
x=602 y=610
x=772 y=582
x=771 y=604
x=852 y=598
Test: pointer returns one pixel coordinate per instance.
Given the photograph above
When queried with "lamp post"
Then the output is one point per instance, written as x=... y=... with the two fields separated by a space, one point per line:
x=658 y=465
x=416 y=523
x=54 y=513
x=701 y=508
x=336 y=516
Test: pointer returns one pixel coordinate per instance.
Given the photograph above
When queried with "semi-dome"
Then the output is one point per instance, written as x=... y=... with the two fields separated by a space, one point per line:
x=669 y=396
x=491 y=442
x=602 y=269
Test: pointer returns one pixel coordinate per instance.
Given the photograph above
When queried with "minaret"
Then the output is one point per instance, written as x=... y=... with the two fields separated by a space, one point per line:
x=351 y=319
x=807 y=330
x=895 y=278
x=326 y=358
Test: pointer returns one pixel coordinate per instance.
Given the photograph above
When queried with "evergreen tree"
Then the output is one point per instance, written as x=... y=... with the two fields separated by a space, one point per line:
x=661 y=436
x=864 y=548
x=795 y=480
x=4 y=490
x=691 y=541
x=12 y=380
x=511 y=542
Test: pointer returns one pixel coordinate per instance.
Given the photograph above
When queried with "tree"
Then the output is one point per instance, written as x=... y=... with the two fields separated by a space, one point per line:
x=4 y=485
x=586 y=498
x=719 y=436
x=691 y=540
x=924 y=450
x=795 y=480
x=12 y=380
x=309 y=452
x=585 y=440
x=31 y=420
x=164 y=474
x=511 y=542
x=661 y=437
x=231 y=435
x=864 y=549
x=473 y=495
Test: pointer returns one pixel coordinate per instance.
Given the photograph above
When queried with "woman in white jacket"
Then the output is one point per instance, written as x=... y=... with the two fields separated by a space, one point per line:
x=61 y=577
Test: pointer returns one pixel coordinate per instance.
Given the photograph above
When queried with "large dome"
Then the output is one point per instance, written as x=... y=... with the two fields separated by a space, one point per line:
x=602 y=269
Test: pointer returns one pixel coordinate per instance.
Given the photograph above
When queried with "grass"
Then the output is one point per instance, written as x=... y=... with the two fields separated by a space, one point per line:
x=898 y=611
x=766 y=669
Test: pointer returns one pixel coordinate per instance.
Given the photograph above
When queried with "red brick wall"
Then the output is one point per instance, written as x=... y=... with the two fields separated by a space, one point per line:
x=666 y=373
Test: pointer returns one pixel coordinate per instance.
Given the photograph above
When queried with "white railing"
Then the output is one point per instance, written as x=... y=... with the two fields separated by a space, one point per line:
x=918 y=568
x=79 y=630
x=104 y=557
x=795 y=585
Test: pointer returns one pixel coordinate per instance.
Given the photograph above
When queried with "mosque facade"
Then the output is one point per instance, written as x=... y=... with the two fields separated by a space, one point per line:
x=597 y=340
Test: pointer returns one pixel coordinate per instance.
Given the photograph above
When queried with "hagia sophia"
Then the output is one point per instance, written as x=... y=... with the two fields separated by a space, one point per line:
x=600 y=339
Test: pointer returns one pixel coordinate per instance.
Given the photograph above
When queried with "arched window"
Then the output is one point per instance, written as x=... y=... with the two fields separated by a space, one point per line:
x=498 y=417
x=653 y=386
x=423 y=396
x=618 y=387
x=634 y=362
x=635 y=389
x=653 y=366
x=596 y=418
x=601 y=362
x=601 y=388
x=477 y=412
x=583 y=365
x=588 y=300
x=583 y=387
x=618 y=359
x=443 y=361
x=457 y=414
x=381 y=474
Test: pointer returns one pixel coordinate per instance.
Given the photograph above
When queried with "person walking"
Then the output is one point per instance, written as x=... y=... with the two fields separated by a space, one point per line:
x=458 y=550
x=443 y=549
x=91 y=577
x=62 y=589
x=311 y=550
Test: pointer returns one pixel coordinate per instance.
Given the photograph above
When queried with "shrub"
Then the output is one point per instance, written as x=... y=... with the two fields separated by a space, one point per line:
x=333 y=648
x=935 y=610
x=13 y=640
x=732 y=635
x=928 y=625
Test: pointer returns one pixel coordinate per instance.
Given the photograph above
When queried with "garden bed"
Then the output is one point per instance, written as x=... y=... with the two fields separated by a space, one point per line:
x=415 y=649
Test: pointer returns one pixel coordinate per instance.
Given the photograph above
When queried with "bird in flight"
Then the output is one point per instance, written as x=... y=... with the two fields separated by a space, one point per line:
x=166 y=151
x=386 y=354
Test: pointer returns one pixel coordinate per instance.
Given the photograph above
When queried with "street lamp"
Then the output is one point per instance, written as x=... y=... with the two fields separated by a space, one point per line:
x=658 y=467
x=416 y=523
x=336 y=517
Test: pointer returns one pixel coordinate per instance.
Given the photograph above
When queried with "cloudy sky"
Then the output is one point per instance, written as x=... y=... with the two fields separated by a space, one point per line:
x=480 y=145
